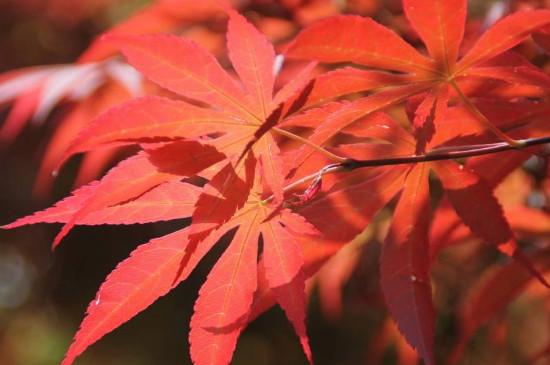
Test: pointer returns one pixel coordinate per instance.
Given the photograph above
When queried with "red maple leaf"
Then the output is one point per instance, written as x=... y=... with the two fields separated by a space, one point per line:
x=440 y=77
x=230 y=132
x=180 y=140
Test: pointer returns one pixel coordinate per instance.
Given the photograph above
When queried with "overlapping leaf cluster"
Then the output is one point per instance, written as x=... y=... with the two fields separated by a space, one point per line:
x=227 y=152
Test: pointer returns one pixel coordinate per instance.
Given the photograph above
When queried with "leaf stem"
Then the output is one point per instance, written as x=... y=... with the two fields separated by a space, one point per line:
x=443 y=153
x=317 y=148
x=329 y=169
x=483 y=119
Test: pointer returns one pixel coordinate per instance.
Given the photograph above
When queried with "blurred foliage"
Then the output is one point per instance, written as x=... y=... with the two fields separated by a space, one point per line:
x=43 y=295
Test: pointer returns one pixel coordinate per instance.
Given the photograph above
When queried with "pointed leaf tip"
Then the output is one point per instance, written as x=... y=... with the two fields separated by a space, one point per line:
x=520 y=256
x=324 y=41
x=186 y=68
x=64 y=231
x=404 y=274
x=284 y=270
x=440 y=25
x=252 y=57
x=221 y=311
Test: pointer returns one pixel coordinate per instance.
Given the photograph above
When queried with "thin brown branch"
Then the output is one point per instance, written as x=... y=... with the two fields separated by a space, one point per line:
x=474 y=150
